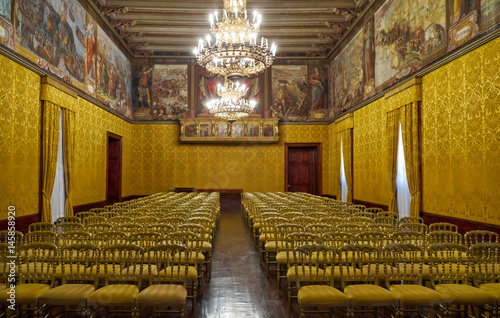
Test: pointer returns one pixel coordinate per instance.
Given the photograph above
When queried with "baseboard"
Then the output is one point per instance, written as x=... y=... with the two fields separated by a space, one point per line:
x=463 y=225
x=22 y=222
x=370 y=204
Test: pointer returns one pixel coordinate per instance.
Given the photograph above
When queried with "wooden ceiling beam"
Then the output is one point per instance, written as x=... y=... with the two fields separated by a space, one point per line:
x=267 y=32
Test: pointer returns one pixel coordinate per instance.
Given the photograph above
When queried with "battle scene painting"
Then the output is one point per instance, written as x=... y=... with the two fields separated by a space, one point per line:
x=349 y=78
x=54 y=31
x=290 y=92
x=169 y=91
x=408 y=35
x=113 y=75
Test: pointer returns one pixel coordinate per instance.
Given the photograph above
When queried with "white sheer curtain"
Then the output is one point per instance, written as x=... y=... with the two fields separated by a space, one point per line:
x=58 y=197
x=343 y=182
x=403 y=196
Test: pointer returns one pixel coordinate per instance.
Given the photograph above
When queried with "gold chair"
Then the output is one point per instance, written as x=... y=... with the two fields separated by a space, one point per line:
x=77 y=283
x=315 y=287
x=67 y=227
x=147 y=220
x=206 y=246
x=13 y=238
x=40 y=237
x=377 y=239
x=109 y=238
x=98 y=228
x=411 y=219
x=83 y=215
x=68 y=219
x=485 y=263
x=74 y=237
x=167 y=290
x=194 y=258
x=369 y=215
x=449 y=276
x=375 y=211
x=121 y=264
x=319 y=228
x=386 y=220
x=443 y=226
x=344 y=216
x=145 y=239
x=480 y=236
x=42 y=226
x=277 y=244
x=388 y=214
x=36 y=264
x=121 y=219
x=109 y=215
x=414 y=238
x=129 y=227
x=93 y=220
x=98 y=210
x=163 y=228
x=441 y=236
x=351 y=228
x=361 y=267
x=414 y=227
x=358 y=206
x=360 y=220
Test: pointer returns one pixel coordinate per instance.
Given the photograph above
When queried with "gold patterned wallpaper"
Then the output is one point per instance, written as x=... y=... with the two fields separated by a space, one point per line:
x=461 y=137
x=369 y=153
x=160 y=161
x=19 y=138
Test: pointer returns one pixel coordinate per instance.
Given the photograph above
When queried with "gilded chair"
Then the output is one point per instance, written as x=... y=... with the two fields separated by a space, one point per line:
x=174 y=220
x=358 y=206
x=380 y=227
x=278 y=245
x=74 y=237
x=404 y=277
x=319 y=228
x=145 y=239
x=330 y=220
x=290 y=214
x=13 y=238
x=97 y=210
x=147 y=220
x=352 y=210
x=443 y=226
x=42 y=226
x=441 y=236
x=129 y=227
x=485 y=262
x=344 y=216
x=163 y=228
x=411 y=219
x=361 y=267
x=206 y=246
x=68 y=219
x=409 y=237
x=386 y=220
x=98 y=227
x=265 y=222
x=195 y=258
x=67 y=227
x=77 y=283
x=377 y=239
x=351 y=228
x=414 y=227
x=360 y=220
x=304 y=220
x=389 y=214
x=134 y=214
x=369 y=215
x=336 y=239
x=109 y=238
x=109 y=215
x=317 y=215
x=40 y=237
x=314 y=286
x=36 y=264
x=480 y=236
x=166 y=291
x=86 y=214
x=121 y=219
x=93 y=220
x=121 y=264
x=449 y=276
x=375 y=211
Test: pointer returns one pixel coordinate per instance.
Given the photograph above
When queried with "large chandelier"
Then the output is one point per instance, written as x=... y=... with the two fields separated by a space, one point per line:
x=235 y=50
x=231 y=105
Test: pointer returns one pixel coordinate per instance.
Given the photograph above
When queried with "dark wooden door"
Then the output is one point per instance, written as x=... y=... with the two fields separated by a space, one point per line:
x=302 y=169
x=114 y=169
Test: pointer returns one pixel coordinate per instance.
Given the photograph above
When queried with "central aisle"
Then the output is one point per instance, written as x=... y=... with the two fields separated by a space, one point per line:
x=238 y=287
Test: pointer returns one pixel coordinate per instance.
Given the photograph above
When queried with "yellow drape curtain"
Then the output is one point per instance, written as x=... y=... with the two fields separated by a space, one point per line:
x=392 y=155
x=68 y=153
x=409 y=117
x=338 y=188
x=346 y=137
x=50 y=144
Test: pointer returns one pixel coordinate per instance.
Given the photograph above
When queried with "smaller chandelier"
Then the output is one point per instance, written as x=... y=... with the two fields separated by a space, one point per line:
x=232 y=104
x=235 y=51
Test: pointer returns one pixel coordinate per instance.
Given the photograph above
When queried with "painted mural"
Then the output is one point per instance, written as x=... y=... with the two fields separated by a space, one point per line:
x=349 y=69
x=464 y=24
x=490 y=14
x=290 y=92
x=162 y=92
x=90 y=56
x=6 y=33
x=408 y=35
x=5 y=9
x=207 y=90
x=318 y=92
x=53 y=30
x=113 y=75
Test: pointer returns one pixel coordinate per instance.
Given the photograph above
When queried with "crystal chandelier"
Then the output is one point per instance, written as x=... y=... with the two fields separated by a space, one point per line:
x=235 y=50
x=231 y=105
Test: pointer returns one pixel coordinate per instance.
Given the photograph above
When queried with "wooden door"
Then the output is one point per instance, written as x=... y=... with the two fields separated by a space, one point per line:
x=114 y=169
x=302 y=173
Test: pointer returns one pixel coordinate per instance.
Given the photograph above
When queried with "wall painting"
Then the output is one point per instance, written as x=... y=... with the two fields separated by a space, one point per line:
x=463 y=22
x=290 y=100
x=318 y=90
x=490 y=14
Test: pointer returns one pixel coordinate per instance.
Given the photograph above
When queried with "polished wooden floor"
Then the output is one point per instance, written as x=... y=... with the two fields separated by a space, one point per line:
x=239 y=287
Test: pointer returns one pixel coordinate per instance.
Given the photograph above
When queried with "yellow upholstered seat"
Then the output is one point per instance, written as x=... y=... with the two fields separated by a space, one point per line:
x=337 y=273
x=67 y=294
x=179 y=271
x=114 y=295
x=163 y=294
x=417 y=295
x=465 y=294
x=321 y=295
x=492 y=289
x=25 y=293
x=305 y=272
x=370 y=295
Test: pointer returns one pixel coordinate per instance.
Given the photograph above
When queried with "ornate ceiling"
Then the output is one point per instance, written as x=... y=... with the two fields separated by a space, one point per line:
x=309 y=28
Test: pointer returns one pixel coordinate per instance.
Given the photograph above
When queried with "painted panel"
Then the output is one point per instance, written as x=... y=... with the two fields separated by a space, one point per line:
x=5 y=9
x=90 y=56
x=290 y=92
x=463 y=22
x=408 y=35
x=490 y=14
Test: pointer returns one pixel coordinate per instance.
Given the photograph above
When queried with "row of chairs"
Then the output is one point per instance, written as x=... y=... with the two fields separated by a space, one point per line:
x=111 y=231
x=279 y=235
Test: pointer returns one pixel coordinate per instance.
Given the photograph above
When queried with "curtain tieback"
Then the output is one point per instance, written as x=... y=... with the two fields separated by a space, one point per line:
x=45 y=194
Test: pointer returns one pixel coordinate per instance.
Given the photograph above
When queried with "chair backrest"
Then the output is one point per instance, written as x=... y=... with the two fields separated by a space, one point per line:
x=353 y=257
x=389 y=214
x=14 y=238
x=304 y=220
x=166 y=258
x=146 y=239
x=86 y=214
x=99 y=227
x=309 y=261
x=147 y=220
x=108 y=238
x=129 y=227
x=76 y=260
x=484 y=260
x=40 y=237
x=386 y=220
x=162 y=228
x=410 y=237
x=480 y=236
x=448 y=263
x=319 y=228
x=358 y=206
x=117 y=220
x=413 y=227
x=109 y=215
x=361 y=220
x=374 y=210
x=337 y=239
x=129 y=257
x=344 y=216
x=74 y=237
x=351 y=228
x=37 y=263
x=66 y=227
x=93 y=220
x=42 y=226
x=369 y=215
x=443 y=226
x=98 y=210
x=436 y=237
x=404 y=263
x=411 y=219
x=68 y=219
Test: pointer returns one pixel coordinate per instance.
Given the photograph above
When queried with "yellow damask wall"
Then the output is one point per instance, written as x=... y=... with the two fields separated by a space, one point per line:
x=160 y=161
x=19 y=138
x=369 y=153
x=461 y=137
x=92 y=123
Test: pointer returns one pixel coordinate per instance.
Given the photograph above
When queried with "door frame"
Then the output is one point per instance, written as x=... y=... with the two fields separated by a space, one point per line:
x=120 y=141
x=318 y=153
